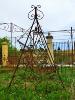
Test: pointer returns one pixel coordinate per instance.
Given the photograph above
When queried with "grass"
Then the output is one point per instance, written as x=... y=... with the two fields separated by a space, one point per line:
x=30 y=85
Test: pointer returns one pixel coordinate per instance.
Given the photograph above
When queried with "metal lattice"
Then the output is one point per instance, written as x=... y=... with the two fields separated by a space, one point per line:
x=35 y=51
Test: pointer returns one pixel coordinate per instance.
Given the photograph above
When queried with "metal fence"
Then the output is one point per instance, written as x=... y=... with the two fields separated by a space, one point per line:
x=64 y=52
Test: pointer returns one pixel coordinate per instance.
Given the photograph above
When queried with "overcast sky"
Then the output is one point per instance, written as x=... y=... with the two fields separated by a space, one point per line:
x=58 y=14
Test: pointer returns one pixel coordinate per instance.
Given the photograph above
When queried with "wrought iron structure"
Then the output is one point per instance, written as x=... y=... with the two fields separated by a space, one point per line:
x=35 y=51
x=35 y=40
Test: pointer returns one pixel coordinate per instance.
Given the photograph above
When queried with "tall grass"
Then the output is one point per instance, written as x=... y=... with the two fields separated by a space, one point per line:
x=30 y=85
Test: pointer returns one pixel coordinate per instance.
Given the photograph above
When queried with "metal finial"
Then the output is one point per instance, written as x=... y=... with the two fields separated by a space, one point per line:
x=49 y=33
x=37 y=14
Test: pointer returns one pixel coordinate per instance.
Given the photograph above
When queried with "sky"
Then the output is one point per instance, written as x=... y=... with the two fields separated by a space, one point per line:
x=58 y=14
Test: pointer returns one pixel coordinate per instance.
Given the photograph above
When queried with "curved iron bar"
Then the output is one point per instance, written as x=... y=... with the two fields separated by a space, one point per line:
x=32 y=16
x=39 y=6
x=5 y=26
x=39 y=16
x=32 y=6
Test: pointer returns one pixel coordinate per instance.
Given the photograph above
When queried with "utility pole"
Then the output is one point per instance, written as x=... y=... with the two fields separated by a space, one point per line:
x=72 y=44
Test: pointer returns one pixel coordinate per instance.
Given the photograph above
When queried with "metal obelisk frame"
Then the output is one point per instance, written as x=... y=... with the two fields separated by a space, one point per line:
x=35 y=50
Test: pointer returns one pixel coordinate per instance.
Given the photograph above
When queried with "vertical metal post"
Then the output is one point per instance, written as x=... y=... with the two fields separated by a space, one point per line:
x=33 y=40
x=15 y=41
x=72 y=44
x=68 y=51
x=74 y=48
x=11 y=30
x=15 y=46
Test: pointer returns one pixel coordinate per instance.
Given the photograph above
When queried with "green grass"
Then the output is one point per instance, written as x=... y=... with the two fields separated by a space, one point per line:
x=30 y=85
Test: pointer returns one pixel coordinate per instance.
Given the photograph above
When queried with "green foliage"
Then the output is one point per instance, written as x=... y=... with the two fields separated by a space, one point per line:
x=4 y=40
x=30 y=85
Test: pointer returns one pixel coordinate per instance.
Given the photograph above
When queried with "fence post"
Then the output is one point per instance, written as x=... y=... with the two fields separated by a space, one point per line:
x=50 y=46
x=4 y=53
